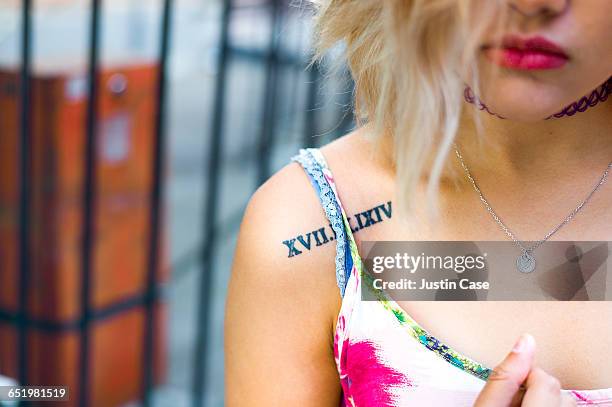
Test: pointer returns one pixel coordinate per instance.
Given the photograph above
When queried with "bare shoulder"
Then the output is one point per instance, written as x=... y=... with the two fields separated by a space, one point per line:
x=283 y=211
x=282 y=299
x=284 y=218
x=286 y=245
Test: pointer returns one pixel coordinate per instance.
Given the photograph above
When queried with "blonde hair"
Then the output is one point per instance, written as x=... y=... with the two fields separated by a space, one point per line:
x=408 y=58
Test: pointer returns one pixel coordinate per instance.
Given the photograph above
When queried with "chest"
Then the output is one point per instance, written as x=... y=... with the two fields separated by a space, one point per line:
x=573 y=338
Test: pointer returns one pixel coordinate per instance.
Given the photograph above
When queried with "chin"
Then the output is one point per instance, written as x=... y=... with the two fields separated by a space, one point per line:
x=524 y=98
x=530 y=105
x=524 y=113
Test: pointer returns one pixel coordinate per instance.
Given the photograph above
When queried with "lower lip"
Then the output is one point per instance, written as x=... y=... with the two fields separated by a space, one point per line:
x=525 y=59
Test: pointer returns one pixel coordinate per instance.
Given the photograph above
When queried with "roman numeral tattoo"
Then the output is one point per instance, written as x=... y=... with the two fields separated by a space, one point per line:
x=319 y=237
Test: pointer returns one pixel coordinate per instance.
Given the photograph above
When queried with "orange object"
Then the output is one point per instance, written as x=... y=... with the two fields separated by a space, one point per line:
x=125 y=141
x=115 y=358
x=125 y=134
x=126 y=106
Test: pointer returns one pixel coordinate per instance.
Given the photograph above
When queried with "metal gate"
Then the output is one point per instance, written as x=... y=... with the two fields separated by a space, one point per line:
x=291 y=110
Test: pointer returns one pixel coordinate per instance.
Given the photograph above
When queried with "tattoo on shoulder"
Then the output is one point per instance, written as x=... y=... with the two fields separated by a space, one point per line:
x=359 y=221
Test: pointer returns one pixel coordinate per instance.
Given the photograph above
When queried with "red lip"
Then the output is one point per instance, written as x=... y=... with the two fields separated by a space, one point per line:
x=537 y=43
x=526 y=53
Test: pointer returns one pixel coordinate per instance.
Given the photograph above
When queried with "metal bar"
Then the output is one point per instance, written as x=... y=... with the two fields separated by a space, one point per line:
x=57 y=326
x=24 y=186
x=210 y=216
x=257 y=56
x=310 y=128
x=266 y=137
x=297 y=74
x=156 y=209
x=89 y=201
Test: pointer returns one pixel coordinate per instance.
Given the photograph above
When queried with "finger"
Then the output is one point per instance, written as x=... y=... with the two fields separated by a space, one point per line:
x=517 y=400
x=543 y=390
x=504 y=382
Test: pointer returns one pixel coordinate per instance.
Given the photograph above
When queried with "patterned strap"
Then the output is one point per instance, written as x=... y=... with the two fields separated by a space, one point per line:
x=320 y=176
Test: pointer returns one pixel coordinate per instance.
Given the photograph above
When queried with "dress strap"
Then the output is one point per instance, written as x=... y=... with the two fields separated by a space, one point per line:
x=322 y=180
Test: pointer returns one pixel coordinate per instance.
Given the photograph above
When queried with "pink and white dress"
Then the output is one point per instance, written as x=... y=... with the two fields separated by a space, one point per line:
x=384 y=358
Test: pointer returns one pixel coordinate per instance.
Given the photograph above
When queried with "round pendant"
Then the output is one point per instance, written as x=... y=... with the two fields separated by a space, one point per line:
x=525 y=263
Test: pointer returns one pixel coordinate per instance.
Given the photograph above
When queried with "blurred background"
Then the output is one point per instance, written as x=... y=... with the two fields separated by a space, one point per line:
x=132 y=134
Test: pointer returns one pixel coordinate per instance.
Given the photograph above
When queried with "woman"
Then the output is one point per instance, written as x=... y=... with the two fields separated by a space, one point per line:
x=456 y=100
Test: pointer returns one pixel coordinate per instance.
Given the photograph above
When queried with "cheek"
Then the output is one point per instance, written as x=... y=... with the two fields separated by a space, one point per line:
x=593 y=29
x=592 y=62
x=597 y=12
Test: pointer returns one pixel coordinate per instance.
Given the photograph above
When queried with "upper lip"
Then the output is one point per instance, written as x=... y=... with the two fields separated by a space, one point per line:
x=536 y=43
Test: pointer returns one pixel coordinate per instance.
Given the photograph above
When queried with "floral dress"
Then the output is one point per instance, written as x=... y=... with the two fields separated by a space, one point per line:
x=384 y=358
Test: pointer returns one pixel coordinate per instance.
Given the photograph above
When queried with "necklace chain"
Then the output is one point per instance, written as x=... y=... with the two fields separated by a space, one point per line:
x=507 y=230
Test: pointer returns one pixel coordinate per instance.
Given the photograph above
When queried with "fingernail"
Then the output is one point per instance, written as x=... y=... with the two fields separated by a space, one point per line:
x=522 y=343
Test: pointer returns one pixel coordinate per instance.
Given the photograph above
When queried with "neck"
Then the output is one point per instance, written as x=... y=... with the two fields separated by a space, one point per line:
x=519 y=150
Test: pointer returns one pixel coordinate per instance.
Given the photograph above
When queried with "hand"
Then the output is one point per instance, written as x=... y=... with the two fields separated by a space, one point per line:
x=515 y=382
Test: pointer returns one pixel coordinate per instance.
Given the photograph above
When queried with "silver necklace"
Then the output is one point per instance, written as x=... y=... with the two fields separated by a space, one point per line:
x=526 y=263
